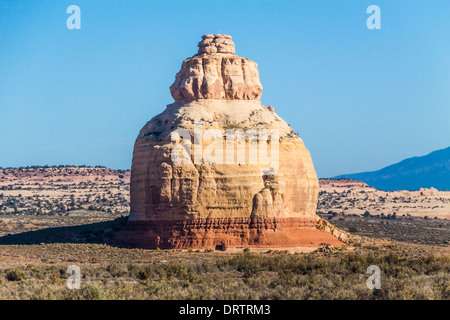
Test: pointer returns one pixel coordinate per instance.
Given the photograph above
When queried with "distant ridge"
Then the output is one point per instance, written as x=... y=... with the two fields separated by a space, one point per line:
x=431 y=170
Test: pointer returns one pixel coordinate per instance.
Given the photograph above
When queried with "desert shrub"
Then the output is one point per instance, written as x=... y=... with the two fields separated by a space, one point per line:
x=91 y=292
x=133 y=270
x=55 y=278
x=145 y=274
x=116 y=270
x=247 y=263
x=180 y=271
x=441 y=286
x=15 y=275
x=205 y=267
x=36 y=272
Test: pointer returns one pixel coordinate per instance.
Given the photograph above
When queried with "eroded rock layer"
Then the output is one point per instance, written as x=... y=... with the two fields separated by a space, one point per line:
x=226 y=233
x=217 y=167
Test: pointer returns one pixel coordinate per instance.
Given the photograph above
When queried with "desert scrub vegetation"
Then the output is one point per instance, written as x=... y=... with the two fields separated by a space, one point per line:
x=15 y=275
x=415 y=230
x=407 y=272
x=63 y=190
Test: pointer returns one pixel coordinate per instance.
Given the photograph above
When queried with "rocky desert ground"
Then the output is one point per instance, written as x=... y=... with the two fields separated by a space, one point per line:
x=420 y=216
x=355 y=197
x=50 y=197
x=41 y=197
x=53 y=217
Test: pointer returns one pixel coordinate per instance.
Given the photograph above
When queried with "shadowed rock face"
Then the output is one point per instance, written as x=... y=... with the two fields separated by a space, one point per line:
x=258 y=191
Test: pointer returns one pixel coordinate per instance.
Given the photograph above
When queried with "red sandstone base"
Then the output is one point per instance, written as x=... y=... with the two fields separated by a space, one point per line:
x=221 y=233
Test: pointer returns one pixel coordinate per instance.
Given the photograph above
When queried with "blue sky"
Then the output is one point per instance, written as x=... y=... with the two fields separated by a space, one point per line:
x=360 y=99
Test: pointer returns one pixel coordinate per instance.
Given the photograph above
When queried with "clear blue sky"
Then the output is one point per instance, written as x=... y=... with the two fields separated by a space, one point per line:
x=360 y=99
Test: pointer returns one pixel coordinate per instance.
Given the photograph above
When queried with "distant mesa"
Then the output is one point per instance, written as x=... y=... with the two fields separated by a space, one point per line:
x=342 y=182
x=186 y=197
x=429 y=171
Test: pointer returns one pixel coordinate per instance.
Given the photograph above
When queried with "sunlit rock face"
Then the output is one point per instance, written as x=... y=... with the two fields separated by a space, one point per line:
x=217 y=168
x=217 y=73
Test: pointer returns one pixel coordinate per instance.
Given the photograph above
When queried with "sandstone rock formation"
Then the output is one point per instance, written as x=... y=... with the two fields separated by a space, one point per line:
x=216 y=73
x=217 y=168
